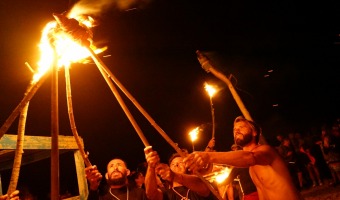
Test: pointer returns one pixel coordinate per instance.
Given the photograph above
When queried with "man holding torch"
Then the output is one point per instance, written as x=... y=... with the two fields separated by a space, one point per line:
x=182 y=186
x=117 y=182
x=266 y=167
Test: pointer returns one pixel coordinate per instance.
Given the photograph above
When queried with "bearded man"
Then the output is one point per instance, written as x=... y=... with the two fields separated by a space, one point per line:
x=182 y=186
x=267 y=169
x=117 y=187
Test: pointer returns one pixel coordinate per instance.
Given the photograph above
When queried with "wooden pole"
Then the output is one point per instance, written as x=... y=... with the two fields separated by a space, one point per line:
x=71 y=118
x=30 y=92
x=134 y=101
x=54 y=133
x=114 y=90
x=18 y=151
x=108 y=74
x=212 y=118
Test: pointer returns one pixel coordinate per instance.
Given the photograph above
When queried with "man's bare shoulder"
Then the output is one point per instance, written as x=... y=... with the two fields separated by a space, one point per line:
x=264 y=154
x=263 y=147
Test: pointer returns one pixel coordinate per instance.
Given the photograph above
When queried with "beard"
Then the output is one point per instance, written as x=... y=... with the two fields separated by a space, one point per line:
x=243 y=142
x=117 y=181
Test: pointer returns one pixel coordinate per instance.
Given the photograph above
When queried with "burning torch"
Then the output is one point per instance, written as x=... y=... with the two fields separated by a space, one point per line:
x=193 y=136
x=211 y=92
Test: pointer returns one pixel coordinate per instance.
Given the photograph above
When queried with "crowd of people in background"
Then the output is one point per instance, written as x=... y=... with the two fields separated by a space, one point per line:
x=313 y=158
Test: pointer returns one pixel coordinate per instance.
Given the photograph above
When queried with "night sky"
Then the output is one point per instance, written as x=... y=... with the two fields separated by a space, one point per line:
x=152 y=47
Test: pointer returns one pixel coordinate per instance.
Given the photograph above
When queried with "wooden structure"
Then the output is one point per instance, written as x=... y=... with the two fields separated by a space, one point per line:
x=37 y=148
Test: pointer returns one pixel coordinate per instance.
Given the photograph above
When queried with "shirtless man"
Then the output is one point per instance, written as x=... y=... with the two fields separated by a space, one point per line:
x=266 y=167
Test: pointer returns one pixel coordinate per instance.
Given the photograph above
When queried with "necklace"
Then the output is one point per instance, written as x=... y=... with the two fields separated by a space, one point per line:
x=182 y=197
x=127 y=194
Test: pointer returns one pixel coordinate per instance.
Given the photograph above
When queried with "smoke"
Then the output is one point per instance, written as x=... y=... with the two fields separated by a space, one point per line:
x=97 y=7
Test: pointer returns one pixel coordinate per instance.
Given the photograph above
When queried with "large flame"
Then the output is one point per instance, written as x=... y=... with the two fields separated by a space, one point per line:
x=59 y=48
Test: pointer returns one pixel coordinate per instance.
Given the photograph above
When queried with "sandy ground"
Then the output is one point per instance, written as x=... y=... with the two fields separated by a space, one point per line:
x=323 y=192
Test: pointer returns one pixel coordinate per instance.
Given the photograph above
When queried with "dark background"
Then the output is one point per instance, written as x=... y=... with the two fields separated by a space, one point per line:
x=152 y=48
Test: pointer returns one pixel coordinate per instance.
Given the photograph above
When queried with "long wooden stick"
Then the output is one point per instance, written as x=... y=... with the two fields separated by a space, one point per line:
x=101 y=65
x=212 y=117
x=18 y=151
x=134 y=101
x=114 y=90
x=71 y=118
x=30 y=92
x=207 y=66
x=55 y=181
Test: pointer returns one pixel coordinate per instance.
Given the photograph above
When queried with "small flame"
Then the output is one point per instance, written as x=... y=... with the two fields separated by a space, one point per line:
x=194 y=133
x=58 y=44
x=219 y=173
x=222 y=175
x=210 y=89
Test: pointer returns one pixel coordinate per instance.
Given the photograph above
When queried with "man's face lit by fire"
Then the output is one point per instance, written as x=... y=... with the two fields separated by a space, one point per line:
x=177 y=165
x=243 y=133
x=117 y=172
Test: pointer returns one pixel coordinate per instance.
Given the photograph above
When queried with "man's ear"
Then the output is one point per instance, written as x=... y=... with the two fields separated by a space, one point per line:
x=127 y=172
x=106 y=176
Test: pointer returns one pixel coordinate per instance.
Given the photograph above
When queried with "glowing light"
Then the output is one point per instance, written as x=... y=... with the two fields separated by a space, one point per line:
x=222 y=176
x=194 y=134
x=58 y=47
x=219 y=173
x=210 y=89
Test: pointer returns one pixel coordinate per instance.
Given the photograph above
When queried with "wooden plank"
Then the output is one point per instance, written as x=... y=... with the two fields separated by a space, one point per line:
x=9 y=141
x=82 y=181
x=39 y=147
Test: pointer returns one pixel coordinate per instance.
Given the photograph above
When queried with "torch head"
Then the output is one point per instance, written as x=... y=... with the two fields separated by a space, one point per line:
x=204 y=61
x=71 y=26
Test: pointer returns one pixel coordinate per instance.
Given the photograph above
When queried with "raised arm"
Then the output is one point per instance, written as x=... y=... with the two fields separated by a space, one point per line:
x=192 y=182
x=93 y=176
x=151 y=187
x=262 y=155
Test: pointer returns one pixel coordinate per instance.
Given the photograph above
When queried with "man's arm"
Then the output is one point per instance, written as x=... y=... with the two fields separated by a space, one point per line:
x=192 y=182
x=262 y=155
x=94 y=178
x=151 y=188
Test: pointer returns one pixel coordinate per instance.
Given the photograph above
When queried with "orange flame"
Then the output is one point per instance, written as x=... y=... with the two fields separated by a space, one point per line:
x=60 y=48
x=194 y=134
x=210 y=89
